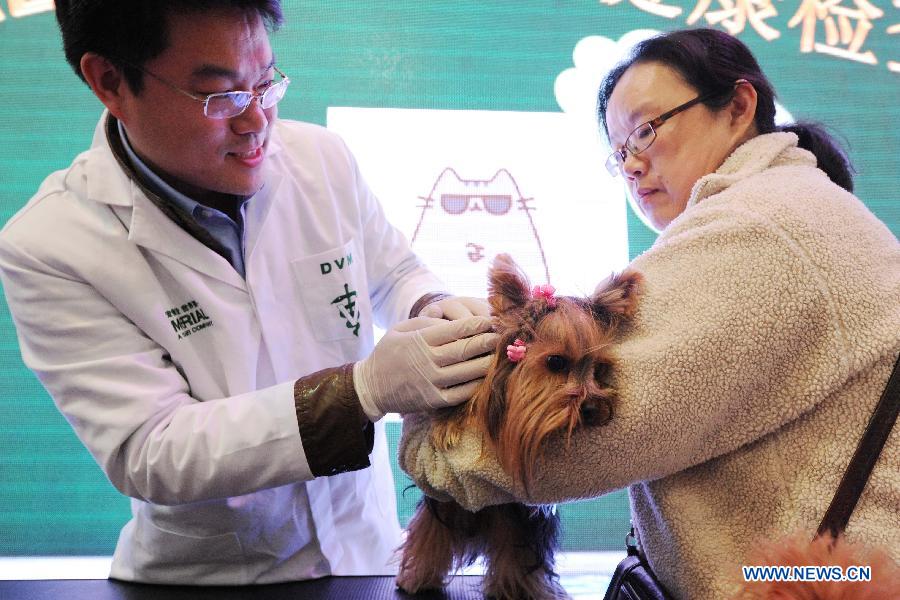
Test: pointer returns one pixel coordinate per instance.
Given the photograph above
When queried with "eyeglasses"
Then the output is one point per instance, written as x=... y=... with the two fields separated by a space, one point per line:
x=496 y=204
x=226 y=105
x=644 y=134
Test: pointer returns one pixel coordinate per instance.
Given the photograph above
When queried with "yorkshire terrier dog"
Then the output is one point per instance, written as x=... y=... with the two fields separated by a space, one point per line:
x=550 y=375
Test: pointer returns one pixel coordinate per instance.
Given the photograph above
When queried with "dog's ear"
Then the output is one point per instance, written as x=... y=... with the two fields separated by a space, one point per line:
x=508 y=286
x=616 y=297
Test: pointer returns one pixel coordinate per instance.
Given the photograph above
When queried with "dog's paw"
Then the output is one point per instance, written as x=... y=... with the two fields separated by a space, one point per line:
x=413 y=582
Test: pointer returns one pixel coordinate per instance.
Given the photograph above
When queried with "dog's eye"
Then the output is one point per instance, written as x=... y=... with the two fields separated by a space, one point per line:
x=557 y=363
x=601 y=371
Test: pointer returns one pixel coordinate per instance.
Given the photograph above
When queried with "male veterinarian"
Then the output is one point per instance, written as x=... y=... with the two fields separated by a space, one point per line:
x=197 y=293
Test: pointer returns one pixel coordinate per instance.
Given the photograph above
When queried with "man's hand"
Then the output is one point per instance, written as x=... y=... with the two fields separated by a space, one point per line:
x=424 y=363
x=457 y=307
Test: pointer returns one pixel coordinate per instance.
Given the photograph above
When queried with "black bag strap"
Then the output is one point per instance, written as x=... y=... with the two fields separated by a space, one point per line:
x=857 y=474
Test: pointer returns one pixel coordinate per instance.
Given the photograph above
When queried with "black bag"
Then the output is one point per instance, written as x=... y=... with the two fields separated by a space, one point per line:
x=634 y=580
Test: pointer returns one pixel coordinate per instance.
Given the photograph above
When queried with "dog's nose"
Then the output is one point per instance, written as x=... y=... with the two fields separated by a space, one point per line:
x=595 y=412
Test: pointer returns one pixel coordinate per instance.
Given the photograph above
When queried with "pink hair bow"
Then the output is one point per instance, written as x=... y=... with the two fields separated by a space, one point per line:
x=547 y=292
x=516 y=351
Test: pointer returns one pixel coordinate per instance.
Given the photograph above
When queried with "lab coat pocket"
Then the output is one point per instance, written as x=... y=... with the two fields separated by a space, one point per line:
x=173 y=552
x=333 y=292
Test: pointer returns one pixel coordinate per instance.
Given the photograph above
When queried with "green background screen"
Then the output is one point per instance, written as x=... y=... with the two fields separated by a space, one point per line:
x=838 y=67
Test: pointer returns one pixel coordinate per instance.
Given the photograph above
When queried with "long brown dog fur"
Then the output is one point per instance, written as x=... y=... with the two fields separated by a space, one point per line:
x=563 y=382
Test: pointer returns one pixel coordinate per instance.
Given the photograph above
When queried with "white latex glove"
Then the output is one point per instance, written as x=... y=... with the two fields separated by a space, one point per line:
x=424 y=364
x=457 y=307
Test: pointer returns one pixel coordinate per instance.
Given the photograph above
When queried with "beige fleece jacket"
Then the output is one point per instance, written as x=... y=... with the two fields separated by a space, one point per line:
x=768 y=326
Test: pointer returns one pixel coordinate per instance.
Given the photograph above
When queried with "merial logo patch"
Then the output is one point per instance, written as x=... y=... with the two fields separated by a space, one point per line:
x=187 y=319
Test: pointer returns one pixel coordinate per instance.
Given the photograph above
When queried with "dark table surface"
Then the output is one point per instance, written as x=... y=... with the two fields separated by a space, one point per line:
x=329 y=588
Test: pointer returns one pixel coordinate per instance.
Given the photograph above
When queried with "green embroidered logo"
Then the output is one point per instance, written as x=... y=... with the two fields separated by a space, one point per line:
x=347 y=309
x=340 y=263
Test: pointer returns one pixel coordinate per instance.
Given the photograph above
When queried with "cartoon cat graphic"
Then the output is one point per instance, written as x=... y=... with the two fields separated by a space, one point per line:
x=465 y=223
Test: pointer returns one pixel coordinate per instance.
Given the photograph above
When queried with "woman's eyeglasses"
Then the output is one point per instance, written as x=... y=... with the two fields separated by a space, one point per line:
x=644 y=134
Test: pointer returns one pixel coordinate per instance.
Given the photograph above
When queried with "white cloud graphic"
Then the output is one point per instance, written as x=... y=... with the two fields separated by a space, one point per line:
x=593 y=57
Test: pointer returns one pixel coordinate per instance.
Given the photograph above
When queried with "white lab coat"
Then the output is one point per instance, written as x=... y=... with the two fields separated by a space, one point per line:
x=177 y=374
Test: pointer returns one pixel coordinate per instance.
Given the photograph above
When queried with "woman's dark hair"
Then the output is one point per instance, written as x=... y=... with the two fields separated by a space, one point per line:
x=130 y=32
x=711 y=61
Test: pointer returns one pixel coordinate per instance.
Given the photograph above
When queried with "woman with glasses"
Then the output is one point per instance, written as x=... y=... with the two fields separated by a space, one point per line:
x=767 y=328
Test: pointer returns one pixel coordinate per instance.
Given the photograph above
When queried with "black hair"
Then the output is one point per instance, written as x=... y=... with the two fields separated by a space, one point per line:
x=128 y=33
x=711 y=61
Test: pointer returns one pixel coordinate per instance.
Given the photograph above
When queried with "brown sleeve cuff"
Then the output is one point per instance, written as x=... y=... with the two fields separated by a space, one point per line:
x=337 y=435
x=425 y=301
